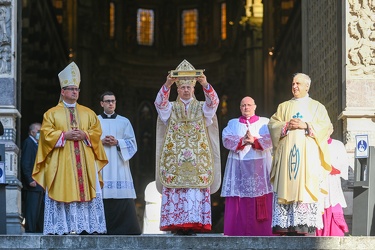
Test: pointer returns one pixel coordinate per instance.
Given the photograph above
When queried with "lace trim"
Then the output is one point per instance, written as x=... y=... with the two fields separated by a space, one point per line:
x=185 y=205
x=75 y=217
x=296 y=214
x=118 y=185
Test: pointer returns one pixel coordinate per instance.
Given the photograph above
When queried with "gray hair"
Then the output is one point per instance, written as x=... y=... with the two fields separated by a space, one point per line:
x=33 y=125
x=305 y=77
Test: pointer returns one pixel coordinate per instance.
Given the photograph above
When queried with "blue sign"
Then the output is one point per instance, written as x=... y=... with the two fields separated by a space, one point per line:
x=361 y=146
x=2 y=172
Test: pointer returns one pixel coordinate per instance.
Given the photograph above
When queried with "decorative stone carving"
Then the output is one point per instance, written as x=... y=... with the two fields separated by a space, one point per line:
x=5 y=59
x=361 y=38
x=347 y=137
x=5 y=39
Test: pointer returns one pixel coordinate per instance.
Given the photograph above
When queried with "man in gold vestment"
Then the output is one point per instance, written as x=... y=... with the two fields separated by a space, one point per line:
x=68 y=163
x=187 y=153
x=301 y=161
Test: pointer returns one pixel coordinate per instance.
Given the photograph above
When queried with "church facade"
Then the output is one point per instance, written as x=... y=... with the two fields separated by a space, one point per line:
x=246 y=48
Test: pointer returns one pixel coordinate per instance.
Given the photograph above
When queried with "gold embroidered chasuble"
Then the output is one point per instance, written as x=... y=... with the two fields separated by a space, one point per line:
x=186 y=159
x=69 y=172
x=301 y=161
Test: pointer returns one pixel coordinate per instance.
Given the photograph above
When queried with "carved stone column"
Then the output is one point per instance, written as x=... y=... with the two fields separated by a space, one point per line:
x=9 y=114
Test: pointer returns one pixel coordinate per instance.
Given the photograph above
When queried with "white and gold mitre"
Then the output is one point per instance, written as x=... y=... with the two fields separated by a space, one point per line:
x=186 y=73
x=70 y=76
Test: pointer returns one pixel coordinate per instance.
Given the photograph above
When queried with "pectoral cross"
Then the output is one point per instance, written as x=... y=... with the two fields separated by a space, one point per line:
x=73 y=121
x=298 y=115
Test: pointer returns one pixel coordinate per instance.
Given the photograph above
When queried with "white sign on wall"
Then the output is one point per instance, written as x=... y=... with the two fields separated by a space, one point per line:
x=361 y=149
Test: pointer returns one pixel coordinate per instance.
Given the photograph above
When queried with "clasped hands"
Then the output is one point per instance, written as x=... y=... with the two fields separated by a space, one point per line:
x=75 y=135
x=296 y=123
x=248 y=139
x=201 y=79
x=109 y=140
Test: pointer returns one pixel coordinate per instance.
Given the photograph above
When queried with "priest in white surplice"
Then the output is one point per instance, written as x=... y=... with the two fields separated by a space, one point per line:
x=118 y=191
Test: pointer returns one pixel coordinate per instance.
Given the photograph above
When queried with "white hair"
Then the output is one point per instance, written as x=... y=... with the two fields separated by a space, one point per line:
x=305 y=77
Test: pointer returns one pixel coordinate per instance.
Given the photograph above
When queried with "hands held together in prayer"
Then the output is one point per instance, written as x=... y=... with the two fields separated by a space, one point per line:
x=109 y=140
x=296 y=123
x=248 y=139
x=75 y=135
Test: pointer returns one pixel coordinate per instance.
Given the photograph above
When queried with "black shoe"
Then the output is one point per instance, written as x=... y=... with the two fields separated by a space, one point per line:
x=179 y=232
x=188 y=232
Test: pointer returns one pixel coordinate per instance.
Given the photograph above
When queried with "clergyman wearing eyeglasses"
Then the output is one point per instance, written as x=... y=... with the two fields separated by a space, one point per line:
x=120 y=146
x=69 y=161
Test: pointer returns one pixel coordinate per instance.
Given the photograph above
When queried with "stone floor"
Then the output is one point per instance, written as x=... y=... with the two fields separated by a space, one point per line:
x=169 y=241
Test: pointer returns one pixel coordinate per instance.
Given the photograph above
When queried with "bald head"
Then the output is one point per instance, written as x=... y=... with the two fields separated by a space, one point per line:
x=248 y=106
x=247 y=99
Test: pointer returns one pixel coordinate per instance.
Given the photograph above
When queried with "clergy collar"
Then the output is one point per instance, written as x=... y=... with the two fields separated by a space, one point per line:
x=107 y=116
x=68 y=105
x=186 y=101
x=302 y=98
x=251 y=119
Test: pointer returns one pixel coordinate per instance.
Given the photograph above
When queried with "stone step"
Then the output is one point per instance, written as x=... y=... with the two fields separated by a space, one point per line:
x=168 y=241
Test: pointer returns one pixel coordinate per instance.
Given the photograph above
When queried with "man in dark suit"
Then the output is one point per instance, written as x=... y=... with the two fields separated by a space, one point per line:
x=34 y=200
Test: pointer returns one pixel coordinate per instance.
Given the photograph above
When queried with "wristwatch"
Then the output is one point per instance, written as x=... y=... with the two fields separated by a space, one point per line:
x=307 y=129
x=118 y=147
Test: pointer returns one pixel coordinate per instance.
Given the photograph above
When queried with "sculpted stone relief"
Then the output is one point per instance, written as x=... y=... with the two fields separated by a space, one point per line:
x=361 y=42
x=5 y=40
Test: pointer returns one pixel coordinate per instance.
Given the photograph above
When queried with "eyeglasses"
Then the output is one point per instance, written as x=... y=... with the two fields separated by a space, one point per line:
x=109 y=101
x=72 y=89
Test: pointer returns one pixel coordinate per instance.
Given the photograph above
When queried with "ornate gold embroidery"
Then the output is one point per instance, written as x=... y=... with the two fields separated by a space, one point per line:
x=186 y=158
